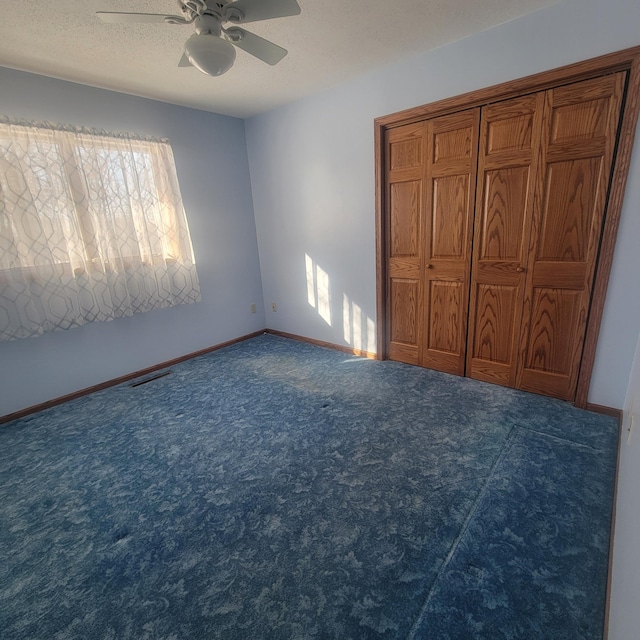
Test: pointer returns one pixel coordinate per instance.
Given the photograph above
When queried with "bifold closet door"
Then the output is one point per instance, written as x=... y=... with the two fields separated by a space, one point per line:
x=493 y=277
x=405 y=152
x=452 y=152
x=578 y=142
x=431 y=170
x=507 y=165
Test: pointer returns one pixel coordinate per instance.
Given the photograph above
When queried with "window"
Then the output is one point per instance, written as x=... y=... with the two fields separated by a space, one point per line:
x=92 y=228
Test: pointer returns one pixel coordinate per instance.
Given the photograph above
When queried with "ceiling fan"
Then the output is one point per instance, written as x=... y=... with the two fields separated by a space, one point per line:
x=211 y=48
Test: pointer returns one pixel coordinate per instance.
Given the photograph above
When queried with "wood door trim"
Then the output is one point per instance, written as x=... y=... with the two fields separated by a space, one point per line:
x=625 y=60
x=381 y=235
x=622 y=161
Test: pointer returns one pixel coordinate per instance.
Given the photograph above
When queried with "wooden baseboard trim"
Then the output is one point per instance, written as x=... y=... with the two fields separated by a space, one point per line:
x=129 y=376
x=607 y=411
x=597 y=408
x=321 y=343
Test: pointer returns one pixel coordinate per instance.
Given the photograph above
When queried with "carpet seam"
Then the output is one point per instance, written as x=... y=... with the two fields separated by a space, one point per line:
x=561 y=439
x=463 y=530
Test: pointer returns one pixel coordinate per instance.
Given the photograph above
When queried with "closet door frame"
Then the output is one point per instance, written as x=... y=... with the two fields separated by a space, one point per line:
x=627 y=60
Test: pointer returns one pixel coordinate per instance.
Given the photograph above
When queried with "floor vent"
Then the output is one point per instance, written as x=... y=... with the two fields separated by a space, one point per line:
x=151 y=378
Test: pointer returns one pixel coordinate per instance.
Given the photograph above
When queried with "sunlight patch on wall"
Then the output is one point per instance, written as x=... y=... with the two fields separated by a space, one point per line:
x=318 y=289
x=311 y=281
x=359 y=330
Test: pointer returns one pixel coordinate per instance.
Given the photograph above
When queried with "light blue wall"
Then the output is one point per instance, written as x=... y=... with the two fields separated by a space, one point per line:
x=211 y=160
x=312 y=174
x=313 y=186
x=624 y=616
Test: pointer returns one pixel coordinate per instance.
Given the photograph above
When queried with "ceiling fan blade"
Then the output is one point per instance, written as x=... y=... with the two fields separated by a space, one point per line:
x=115 y=16
x=255 y=10
x=184 y=61
x=255 y=45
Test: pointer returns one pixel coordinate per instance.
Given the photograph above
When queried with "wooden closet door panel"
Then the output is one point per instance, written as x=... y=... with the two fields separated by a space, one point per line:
x=579 y=135
x=405 y=162
x=451 y=163
x=507 y=164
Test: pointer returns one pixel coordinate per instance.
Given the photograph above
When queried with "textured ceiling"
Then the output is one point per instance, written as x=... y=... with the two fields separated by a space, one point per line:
x=330 y=42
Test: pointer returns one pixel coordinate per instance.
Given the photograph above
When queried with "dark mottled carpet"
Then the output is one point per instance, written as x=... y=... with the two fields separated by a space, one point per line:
x=277 y=490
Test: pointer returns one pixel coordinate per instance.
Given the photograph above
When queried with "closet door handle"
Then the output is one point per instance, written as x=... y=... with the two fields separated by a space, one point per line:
x=520 y=269
x=429 y=266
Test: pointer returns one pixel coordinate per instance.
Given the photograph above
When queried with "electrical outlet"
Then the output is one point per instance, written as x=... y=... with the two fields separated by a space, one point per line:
x=253 y=308
x=631 y=418
x=273 y=307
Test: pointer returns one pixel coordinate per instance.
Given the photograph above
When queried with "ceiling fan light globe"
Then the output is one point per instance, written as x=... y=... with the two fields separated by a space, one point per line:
x=210 y=54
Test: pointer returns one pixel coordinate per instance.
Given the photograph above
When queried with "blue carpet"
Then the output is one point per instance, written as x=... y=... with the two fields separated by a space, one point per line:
x=278 y=490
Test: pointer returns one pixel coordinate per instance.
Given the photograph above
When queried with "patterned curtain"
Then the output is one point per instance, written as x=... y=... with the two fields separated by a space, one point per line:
x=92 y=228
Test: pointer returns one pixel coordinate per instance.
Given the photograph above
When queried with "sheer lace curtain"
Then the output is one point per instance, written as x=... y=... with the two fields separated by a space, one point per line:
x=92 y=228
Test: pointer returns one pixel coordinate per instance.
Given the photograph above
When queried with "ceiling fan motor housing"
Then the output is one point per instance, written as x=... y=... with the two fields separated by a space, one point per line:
x=222 y=10
x=206 y=24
